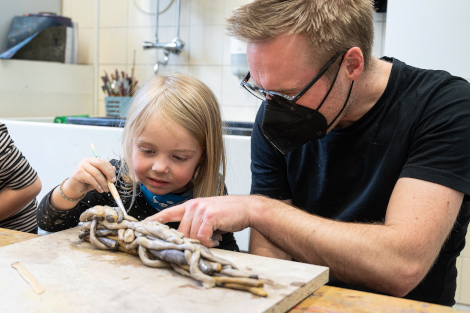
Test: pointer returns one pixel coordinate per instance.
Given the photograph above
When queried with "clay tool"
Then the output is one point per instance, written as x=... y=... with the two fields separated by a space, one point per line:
x=113 y=191
x=30 y=279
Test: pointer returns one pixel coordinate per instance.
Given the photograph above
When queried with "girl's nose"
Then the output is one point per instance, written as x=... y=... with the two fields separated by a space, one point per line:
x=161 y=166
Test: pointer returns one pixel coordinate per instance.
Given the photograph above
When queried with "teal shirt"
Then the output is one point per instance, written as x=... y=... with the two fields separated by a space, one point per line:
x=161 y=202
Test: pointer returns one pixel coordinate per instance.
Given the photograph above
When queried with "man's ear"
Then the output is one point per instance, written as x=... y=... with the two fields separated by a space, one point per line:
x=354 y=60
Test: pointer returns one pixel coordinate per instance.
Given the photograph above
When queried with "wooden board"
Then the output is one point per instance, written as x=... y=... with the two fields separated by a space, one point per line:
x=79 y=278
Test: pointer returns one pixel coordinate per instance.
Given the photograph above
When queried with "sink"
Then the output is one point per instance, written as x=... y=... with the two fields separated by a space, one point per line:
x=230 y=127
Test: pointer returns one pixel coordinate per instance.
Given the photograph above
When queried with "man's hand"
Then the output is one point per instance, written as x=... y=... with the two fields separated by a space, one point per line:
x=206 y=218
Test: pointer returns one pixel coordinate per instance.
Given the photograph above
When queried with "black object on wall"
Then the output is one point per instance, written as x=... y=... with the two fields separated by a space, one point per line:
x=48 y=45
x=380 y=5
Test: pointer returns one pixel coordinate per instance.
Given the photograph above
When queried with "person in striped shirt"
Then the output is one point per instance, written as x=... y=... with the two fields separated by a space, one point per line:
x=19 y=186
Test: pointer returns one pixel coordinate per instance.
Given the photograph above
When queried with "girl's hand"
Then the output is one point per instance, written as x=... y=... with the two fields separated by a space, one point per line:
x=91 y=173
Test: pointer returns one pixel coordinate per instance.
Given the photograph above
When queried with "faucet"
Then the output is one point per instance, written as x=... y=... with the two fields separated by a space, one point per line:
x=176 y=46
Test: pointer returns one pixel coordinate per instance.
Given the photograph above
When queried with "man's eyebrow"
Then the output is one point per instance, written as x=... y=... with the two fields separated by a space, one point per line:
x=282 y=90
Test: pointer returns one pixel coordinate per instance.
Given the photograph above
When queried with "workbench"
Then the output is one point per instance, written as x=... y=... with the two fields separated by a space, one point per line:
x=325 y=299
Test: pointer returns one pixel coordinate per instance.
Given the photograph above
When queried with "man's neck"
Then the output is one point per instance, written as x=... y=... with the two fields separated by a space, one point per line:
x=369 y=87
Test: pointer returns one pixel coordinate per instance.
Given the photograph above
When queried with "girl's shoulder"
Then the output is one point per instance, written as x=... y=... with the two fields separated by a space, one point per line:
x=116 y=163
x=121 y=182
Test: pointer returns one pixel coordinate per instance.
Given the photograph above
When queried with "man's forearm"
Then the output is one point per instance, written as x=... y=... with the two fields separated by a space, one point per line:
x=261 y=246
x=363 y=254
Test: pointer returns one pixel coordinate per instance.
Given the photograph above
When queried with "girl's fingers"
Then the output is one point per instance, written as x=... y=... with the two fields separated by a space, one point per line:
x=95 y=178
x=105 y=168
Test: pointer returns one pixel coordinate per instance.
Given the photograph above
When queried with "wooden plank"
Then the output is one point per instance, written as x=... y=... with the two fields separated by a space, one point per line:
x=331 y=299
x=78 y=278
x=8 y=236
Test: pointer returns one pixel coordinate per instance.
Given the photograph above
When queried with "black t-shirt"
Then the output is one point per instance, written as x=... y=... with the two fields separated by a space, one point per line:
x=419 y=128
x=53 y=220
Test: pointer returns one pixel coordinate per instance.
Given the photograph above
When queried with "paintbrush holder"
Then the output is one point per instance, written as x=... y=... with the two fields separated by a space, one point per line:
x=117 y=106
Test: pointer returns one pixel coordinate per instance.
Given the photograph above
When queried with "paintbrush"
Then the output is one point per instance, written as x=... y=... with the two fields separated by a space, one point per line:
x=132 y=76
x=112 y=188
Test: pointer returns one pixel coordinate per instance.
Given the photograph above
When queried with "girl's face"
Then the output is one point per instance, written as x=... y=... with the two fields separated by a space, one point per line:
x=165 y=161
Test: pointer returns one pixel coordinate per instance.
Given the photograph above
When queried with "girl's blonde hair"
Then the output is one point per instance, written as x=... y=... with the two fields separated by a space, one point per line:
x=331 y=26
x=186 y=101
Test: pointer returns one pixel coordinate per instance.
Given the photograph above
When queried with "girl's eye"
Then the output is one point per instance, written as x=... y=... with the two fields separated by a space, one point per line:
x=179 y=158
x=146 y=150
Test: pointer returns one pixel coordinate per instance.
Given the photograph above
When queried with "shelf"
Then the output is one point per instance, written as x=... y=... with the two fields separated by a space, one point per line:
x=35 y=88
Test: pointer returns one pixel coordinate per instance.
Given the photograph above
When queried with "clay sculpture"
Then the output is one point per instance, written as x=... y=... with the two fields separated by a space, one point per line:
x=159 y=246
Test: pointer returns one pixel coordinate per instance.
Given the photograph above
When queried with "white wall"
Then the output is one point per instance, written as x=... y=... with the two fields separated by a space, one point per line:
x=430 y=34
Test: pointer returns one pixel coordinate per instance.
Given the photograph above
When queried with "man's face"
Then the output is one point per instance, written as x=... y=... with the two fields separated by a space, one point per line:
x=284 y=65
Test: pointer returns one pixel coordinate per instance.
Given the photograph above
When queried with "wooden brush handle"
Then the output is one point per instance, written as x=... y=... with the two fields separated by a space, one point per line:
x=113 y=190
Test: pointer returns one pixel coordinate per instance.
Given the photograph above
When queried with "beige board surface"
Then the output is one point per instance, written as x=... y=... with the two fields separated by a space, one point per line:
x=80 y=278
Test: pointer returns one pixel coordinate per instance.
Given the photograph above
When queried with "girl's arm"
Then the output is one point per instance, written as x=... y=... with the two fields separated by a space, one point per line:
x=61 y=209
x=53 y=220
x=90 y=174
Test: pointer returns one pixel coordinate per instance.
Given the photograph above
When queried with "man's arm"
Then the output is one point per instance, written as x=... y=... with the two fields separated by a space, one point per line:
x=13 y=200
x=259 y=245
x=392 y=257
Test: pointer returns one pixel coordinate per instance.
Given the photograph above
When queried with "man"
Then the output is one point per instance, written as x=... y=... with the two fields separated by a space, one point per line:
x=368 y=158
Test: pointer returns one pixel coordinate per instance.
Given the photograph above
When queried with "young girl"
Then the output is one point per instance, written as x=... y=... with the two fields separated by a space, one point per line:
x=173 y=151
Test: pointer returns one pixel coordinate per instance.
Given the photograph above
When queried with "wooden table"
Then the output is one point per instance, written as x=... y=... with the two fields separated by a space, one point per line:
x=326 y=299
x=8 y=236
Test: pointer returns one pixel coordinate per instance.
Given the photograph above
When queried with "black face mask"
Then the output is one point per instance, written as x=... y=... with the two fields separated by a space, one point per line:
x=287 y=129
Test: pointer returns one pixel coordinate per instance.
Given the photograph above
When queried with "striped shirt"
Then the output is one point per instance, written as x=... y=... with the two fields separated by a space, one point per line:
x=16 y=173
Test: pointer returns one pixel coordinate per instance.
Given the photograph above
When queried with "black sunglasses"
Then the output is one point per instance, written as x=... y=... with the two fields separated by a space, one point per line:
x=284 y=100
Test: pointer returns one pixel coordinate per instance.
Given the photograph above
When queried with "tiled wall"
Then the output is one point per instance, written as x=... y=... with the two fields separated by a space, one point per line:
x=123 y=27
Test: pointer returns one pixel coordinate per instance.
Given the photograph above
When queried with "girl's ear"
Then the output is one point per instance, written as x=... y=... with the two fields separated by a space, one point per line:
x=203 y=157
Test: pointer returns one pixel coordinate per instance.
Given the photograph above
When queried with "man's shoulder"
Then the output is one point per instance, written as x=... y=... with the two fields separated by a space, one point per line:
x=423 y=78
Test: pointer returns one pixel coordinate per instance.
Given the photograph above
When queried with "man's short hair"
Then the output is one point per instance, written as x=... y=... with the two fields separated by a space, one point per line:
x=331 y=26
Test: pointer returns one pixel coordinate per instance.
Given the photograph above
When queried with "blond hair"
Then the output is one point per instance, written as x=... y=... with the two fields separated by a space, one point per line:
x=331 y=26
x=186 y=101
